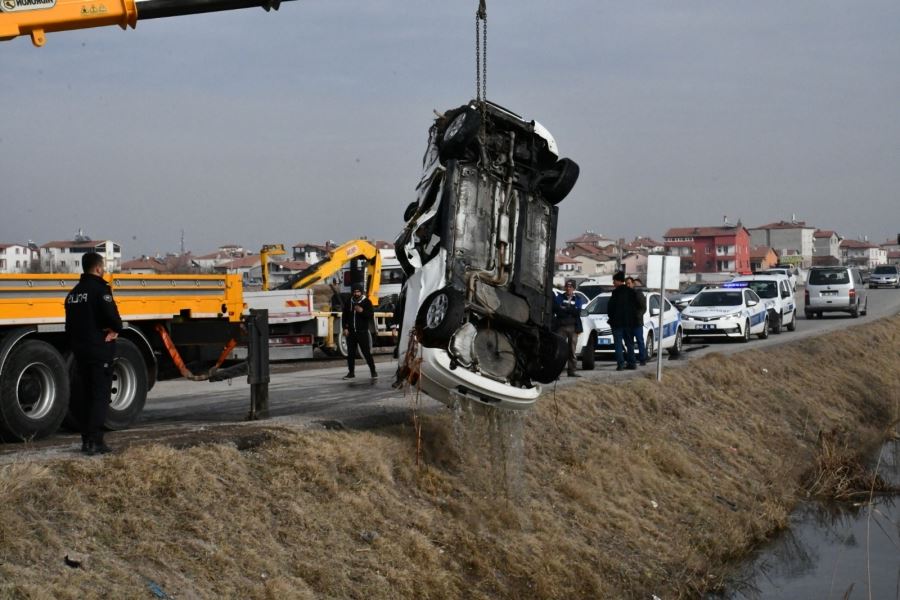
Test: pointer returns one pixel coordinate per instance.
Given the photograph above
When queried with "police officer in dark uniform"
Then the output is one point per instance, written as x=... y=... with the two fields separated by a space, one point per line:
x=357 y=320
x=92 y=326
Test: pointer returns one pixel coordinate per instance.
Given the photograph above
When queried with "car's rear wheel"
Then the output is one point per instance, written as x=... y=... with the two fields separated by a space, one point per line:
x=554 y=352
x=765 y=330
x=854 y=312
x=865 y=309
x=439 y=317
x=559 y=181
x=587 y=353
x=462 y=131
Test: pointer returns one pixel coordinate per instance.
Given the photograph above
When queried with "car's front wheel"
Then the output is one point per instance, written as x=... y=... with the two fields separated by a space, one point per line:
x=462 y=131
x=776 y=325
x=793 y=324
x=677 y=347
x=559 y=181
x=765 y=330
x=746 y=333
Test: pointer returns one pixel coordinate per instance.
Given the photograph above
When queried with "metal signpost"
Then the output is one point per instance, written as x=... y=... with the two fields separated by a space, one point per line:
x=662 y=273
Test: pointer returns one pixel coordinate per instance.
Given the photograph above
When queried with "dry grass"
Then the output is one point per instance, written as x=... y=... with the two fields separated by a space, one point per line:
x=624 y=491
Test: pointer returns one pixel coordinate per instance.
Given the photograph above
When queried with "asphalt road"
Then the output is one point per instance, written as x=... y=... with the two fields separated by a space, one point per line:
x=316 y=396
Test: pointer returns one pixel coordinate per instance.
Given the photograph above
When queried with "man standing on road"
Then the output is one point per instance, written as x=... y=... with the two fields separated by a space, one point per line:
x=92 y=326
x=567 y=311
x=621 y=310
x=637 y=331
x=357 y=319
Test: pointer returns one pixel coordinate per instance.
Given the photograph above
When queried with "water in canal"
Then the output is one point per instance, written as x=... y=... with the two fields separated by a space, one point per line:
x=840 y=552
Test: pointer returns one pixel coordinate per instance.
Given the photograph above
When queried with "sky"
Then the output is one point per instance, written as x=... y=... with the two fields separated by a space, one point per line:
x=309 y=123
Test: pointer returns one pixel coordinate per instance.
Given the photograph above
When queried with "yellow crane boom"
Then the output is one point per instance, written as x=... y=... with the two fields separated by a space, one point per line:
x=335 y=261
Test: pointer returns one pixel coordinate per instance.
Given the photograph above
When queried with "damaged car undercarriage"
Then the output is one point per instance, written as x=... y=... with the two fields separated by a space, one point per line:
x=478 y=251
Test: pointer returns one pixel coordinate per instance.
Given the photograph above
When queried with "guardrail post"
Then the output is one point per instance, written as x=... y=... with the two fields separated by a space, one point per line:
x=258 y=363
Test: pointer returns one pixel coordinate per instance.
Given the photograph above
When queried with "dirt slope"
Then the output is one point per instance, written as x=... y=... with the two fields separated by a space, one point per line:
x=611 y=492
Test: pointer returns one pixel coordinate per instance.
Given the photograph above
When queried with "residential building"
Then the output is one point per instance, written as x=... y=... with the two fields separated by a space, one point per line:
x=893 y=257
x=827 y=248
x=762 y=257
x=310 y=253
x=645 y=245
x=635 y=264
x=787 y=238
x=221 y=257
x=158 y=265
x=590 y=239
x=721 y=249
x=862 y=254
x=566 y=265
x=17 y=258
x=65 y=256
x=891 y=244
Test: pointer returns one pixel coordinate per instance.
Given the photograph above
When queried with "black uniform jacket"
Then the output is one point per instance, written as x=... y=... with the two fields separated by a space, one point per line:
x=622 y=308
x=90 y=312
x=358 y=321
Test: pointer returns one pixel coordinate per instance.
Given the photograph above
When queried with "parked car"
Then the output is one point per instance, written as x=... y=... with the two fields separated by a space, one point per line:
x=596 y=285
x=835 y=289
x=885 y=276
x=596 y=336
x=478 y=248
x=776 y=293
x=684 y=297
x=787 y=271
x=730 y=311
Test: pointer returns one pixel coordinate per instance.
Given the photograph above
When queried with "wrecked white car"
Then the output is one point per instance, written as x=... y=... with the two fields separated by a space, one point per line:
x=478 y=250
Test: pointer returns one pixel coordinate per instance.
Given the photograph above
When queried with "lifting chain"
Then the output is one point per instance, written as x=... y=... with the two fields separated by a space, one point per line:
x=481 y=52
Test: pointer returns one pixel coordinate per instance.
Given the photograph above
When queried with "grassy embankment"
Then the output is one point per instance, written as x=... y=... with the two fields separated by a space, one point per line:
x=625 y=491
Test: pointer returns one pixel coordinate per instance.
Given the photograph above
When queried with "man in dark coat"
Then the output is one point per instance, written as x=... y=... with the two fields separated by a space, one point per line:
x=567 y=312
x=357 y=320
x=637 y=331
x=621 y=310
x=92 y=326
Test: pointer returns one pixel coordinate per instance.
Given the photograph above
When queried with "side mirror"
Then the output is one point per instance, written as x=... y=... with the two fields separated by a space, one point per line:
x=654 y=312
x=752 y=302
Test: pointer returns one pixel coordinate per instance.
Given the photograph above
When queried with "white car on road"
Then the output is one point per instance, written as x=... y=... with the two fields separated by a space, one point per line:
x=731 y=311
x=596 y=336
x=776 y=293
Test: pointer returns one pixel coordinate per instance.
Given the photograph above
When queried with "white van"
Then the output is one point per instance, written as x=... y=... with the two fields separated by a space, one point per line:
x=835 y=289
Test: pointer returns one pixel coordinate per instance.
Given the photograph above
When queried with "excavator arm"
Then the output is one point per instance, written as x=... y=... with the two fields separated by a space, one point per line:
x=335 y=261
x=39 y=17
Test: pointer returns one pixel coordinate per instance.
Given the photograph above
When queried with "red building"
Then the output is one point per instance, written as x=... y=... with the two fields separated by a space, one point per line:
x=723 y=249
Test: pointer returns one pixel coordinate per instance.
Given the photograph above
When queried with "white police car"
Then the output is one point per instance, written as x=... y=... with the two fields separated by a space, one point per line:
x=596 y=336
x=776 y=293
x=731 y=311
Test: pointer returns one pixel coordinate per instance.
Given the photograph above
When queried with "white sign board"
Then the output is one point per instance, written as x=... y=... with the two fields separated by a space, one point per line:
x=655 y=271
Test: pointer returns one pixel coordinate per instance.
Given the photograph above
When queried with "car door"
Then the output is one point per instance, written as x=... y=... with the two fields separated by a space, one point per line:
x=671 y=317
x=756 y=310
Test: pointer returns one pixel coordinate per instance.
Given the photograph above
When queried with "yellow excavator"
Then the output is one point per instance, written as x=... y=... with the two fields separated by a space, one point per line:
x=36 y=18
x=334 y=262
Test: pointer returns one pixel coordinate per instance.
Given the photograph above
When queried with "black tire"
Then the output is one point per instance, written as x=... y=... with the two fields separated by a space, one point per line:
x=854 y=312
x=808 y=314
x=557 y=182
x=460 y=132
x=792 y=326
x=34 y=392
x=587 y=353
x=129 y=386
x=777 y=325
x=676 y=349
x=439 y=317
x=554 y=353
x=746 y=337
x=764 y=334
x=865 y=310
x=128 y=393
x=649 y=345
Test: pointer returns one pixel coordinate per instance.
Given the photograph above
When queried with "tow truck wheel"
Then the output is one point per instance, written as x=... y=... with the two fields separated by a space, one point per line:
x=439 y=317
x=587 y=353
x=559 y=181
x=461 y=132
x=128 y=392
x=34 y=392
